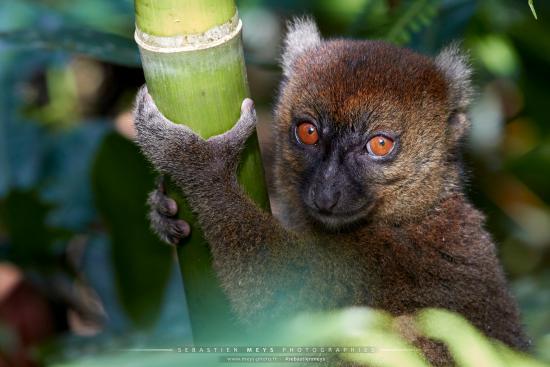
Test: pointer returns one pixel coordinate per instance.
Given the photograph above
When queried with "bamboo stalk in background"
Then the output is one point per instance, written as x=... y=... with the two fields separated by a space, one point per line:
x=192 y=57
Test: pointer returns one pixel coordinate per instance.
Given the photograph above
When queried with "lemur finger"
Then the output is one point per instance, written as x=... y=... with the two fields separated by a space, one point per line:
x=246 y=125
x=235 y=138
x=146 y=112
x=153 y=130
x=163 y=142
x=161 y=203
x=170 y=230
x=159 y=182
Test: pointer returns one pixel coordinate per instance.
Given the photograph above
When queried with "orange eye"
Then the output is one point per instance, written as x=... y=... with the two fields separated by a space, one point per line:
x=380 y=146
x=307 y=133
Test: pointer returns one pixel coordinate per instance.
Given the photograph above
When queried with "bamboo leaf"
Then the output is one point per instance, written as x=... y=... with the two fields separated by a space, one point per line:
x=372 y=17
x=31 y=241
x=415 y=17
x=468 y=345
x=98 y=45
x=121 y=182
x=533 y=9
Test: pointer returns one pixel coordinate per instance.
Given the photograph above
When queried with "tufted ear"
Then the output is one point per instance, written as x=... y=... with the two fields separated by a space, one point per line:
x=302 y=34
x=455 y=66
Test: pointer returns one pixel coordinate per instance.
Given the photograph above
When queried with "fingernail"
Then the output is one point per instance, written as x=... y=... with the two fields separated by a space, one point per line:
x=172 y=207
x=247 y=105
x=184 y=227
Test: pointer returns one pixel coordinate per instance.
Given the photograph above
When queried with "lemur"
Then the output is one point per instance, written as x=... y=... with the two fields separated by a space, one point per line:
x=368 y=169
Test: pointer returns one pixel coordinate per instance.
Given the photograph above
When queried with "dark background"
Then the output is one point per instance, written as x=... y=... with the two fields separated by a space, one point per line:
x=79 y=271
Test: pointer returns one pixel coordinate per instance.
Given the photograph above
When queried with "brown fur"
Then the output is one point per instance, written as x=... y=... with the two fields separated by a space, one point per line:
x=420 y=245
x=400 y=91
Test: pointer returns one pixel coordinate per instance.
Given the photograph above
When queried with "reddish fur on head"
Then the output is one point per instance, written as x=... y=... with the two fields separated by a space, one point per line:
x=367 y=86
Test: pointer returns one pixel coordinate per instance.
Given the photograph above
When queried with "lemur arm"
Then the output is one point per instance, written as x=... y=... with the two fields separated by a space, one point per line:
x=246 y=242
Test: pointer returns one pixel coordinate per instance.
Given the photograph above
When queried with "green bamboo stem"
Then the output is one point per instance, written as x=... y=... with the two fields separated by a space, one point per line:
x=181 y=17
x=192 y=57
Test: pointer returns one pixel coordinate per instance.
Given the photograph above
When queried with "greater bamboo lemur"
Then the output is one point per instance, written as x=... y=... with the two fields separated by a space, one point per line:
x=368 y=167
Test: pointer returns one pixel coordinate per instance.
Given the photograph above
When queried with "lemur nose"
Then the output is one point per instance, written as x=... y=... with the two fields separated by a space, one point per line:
x=326 y=201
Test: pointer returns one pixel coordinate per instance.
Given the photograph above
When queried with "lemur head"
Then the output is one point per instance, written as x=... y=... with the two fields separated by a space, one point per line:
x=366 y=130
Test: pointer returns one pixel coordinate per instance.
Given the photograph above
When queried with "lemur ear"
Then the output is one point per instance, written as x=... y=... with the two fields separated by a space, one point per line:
x=302 y=34
x=455 y=66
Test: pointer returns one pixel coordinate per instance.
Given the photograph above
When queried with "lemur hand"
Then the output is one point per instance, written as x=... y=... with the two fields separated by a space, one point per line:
x=189 y=159
x=194 y=163
x=163 y=216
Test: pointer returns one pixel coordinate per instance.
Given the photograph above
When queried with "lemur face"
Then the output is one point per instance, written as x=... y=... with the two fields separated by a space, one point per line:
x=363 y=133
x=340 y=165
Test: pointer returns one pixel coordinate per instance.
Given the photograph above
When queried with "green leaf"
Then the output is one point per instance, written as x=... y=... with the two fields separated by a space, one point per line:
x=148 y=359
x=468 y=346
x=23 y=215
x=414 y=17
x=98 y=45
x=533 y=9
x=121 y=182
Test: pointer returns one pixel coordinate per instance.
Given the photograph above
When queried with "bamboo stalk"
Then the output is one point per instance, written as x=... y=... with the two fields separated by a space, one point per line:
x=192 y=57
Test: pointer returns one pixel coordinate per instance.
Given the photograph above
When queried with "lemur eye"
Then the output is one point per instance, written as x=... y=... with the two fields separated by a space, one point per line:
x=307 y=133
x=380 y=146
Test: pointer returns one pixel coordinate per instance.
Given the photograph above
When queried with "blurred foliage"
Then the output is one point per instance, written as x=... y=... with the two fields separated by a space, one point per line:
x=118 y=161
x=374 y=331
x=72 y=186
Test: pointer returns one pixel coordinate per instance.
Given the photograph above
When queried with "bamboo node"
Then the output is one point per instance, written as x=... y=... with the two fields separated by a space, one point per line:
x=190 y=42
